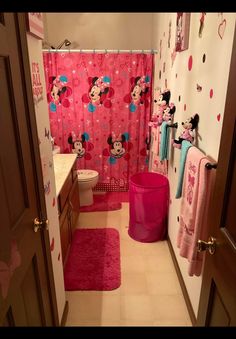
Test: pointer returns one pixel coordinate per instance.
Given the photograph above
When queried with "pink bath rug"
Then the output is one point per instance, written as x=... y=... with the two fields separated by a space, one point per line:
x=93 y=262
x=109 y=201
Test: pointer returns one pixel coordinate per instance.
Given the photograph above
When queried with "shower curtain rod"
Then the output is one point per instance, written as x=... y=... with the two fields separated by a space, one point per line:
x=153 y=51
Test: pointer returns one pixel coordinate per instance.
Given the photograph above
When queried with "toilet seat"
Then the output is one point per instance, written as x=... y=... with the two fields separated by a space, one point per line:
x=86 y=174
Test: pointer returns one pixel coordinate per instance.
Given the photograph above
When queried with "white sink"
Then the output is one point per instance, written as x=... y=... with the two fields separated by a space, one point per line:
x=56 y=150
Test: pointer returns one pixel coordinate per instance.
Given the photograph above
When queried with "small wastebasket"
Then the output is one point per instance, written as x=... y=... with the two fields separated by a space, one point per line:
x=148 y=206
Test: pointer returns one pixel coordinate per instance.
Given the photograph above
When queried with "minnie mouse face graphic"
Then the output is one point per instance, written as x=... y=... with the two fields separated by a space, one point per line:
x=118 y=148
x=96 y=91
x=58 y=92
x=168 y=113
x=139 y=92
x=77 y=146
x=99 y=93
x=81 y=145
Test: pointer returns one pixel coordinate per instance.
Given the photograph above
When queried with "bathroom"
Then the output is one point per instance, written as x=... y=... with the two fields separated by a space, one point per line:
x=154 y=277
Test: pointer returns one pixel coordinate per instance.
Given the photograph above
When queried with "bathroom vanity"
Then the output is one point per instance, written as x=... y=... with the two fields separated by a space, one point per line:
x=67 y=191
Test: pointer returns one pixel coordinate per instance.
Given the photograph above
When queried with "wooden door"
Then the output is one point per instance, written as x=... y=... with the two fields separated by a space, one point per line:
x=217 y=305
x=25 y=292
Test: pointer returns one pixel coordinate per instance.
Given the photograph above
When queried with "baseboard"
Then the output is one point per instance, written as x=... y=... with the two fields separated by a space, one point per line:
x=65 y=313
x=182 y=284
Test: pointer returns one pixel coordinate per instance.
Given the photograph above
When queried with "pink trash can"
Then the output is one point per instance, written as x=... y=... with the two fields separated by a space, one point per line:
x=148 y=206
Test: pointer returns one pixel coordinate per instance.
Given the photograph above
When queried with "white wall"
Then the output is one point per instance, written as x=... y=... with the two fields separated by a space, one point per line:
x=213 y=74
x=42 y=119
x=100 y=30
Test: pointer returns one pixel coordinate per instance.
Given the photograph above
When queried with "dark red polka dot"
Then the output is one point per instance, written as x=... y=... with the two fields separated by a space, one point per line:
x=184 y=107
x=190 y=63
x=211 y=93
x=176 y=75
x=159 y=74
x=166 y=83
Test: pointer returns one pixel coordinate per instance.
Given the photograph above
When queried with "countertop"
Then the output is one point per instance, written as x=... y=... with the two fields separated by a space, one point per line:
x=62 y=166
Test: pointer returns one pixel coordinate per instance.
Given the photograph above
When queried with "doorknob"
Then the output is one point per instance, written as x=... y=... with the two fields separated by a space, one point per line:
x=210 y=245
x=39 y=224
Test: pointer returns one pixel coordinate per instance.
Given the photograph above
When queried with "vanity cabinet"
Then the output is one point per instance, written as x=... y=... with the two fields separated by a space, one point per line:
x=68 y=210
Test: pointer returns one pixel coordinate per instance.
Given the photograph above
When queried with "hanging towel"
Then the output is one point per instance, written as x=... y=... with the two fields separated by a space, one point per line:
x=197 y=186
x=164 y=147
x=184 y=150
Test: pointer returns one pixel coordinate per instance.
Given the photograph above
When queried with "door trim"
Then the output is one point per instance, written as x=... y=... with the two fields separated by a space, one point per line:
x=224 y=160
x=33 y=134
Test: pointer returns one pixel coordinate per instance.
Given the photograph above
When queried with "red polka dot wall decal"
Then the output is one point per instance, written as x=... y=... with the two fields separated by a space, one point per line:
x=211 y=93
x=59 y=257
x=218 y=117
x=184 y=107
x=53 y=202
x=164 y=67
x=190 y=63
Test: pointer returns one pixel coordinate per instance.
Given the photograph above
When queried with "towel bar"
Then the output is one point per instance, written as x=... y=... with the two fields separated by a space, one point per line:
x=175 y=125
x=210 y=166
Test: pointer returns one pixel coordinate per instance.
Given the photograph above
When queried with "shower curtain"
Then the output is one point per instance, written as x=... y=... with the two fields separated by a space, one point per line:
x=99 y=108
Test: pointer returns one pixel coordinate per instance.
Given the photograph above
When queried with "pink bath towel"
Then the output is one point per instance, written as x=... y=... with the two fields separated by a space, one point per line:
x=155 y=135
x=197 y=185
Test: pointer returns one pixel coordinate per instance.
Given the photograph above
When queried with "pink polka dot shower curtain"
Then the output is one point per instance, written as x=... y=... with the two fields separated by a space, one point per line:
x=99 y=107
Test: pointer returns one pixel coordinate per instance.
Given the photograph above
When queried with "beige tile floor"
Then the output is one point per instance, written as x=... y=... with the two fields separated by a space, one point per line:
x=149 y=295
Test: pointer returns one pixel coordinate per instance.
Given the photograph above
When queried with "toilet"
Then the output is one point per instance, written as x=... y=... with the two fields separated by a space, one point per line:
x=87 y=180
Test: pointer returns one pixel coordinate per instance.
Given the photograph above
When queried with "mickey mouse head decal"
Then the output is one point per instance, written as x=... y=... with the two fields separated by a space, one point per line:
x=99 y=93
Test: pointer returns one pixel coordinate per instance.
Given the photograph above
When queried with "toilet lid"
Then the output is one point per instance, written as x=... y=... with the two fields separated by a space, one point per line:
x=86 y=174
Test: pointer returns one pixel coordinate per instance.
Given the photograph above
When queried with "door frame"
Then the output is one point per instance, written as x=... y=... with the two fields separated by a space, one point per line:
x=224 y=164
x=34 y=146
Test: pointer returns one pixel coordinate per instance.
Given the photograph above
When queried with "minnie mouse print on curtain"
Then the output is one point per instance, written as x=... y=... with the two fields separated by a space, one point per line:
x=99 y=108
